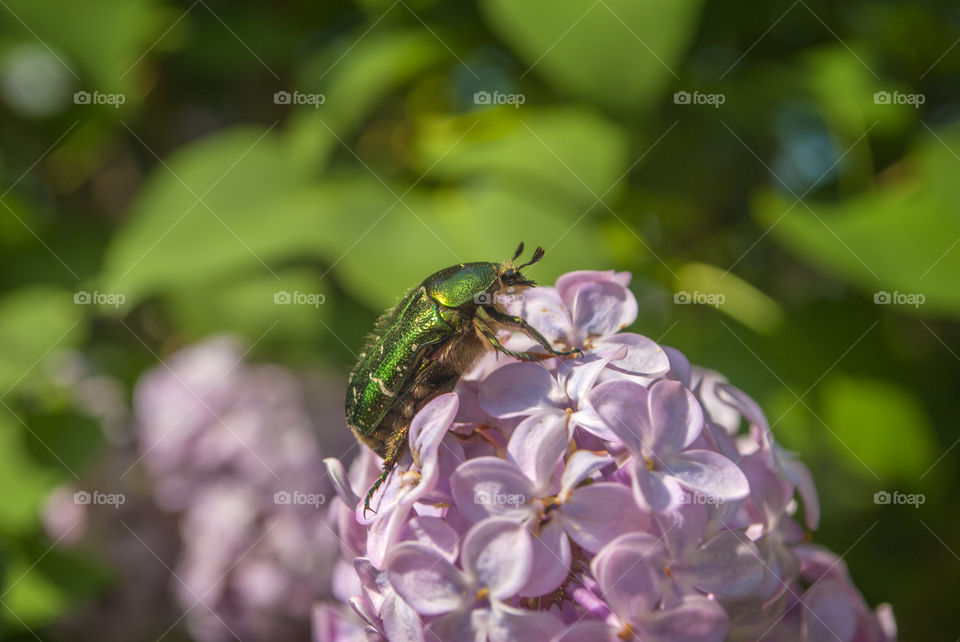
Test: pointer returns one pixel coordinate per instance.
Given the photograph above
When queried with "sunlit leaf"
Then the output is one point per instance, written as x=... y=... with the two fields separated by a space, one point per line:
x=573 y=151
x=31 y=598
x=25 y=484
x=701 y=284
x=619 y=53
x=98 y=39
x=33 y=323
x=884 y=426
x=211 y=211
x=483 y=222
x=291 y=306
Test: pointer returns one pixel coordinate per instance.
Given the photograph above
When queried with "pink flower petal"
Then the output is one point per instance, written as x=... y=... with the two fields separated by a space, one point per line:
x=517 y=389
x=596 y=514
x=509 y=624
x=655 y=491
x=643 y=356
x=545 y=311
x=830 y=611
x=696 y=620
x=551 y=561
x=588 y=631
x=537 y=445
x=578 y=377
x=676 y=418
x=425 y=580
x=432 y=422
x=488 y=486
x=568 y=284
x=727 y=565
x=626 y=570
x=435 y=532
x=708 y=473
x=499 y=554
x=458 y=625
x=622 y=405
x=602 y=308
x=580 y=465
x=400 y=621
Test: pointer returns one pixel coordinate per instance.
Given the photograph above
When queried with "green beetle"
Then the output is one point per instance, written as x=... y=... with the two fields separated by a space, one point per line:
x=420 y=347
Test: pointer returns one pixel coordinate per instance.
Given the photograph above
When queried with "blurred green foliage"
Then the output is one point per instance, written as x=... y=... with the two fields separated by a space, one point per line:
x=201 y=197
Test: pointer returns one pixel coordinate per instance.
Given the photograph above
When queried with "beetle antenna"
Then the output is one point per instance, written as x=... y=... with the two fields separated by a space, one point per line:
x=537 y=255
x=518 y=252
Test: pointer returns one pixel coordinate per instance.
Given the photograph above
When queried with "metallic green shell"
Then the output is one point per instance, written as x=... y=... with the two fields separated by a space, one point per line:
x=460 y=284
x=404 y=333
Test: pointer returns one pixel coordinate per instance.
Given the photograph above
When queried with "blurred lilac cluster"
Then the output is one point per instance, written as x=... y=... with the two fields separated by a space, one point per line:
x=231 y=448
x=610 y=497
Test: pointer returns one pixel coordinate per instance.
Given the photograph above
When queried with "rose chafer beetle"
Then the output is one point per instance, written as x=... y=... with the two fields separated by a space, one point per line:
x=421 y=347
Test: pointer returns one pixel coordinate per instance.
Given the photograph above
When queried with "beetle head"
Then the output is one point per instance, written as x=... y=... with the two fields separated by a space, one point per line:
x=510 y=274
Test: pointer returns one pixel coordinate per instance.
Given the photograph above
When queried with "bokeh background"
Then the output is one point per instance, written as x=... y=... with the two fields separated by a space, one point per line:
x=780 y=178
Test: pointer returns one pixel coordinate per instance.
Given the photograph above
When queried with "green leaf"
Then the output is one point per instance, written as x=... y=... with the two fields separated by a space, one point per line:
x=354 y=78
x=171 y=240
x=34 y=322
x=25 y=485
x=572 y=152
x=883 y=424
x=104 y=36
x=482 y=222
x=845 y=90
x=62 y=438
x=250 y=307
x=31 y=598
x=706 y=284
x=897 y=238
x=619 y=53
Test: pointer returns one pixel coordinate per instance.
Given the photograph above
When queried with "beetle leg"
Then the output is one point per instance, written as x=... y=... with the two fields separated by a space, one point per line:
x=532 y=332
x=394 y=451
x=492 y=338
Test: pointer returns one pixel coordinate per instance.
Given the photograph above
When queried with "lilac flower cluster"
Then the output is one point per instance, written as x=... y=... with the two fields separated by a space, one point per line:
x=229 y=445
x=609 y=497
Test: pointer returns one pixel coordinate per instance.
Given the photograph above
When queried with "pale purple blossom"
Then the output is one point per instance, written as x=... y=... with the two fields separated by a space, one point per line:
x=472 y=600
x=607 y=497
x=233 y=452
x=659 y=427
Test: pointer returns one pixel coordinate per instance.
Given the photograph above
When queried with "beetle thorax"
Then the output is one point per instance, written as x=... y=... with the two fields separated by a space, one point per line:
x=463 y=284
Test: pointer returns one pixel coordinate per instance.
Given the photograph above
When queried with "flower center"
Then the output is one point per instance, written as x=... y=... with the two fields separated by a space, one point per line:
x=483 y=593
x=649 y=463
x=626 y=633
